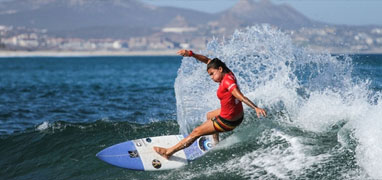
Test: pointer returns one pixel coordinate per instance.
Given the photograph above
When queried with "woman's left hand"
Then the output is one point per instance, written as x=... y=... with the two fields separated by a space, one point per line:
x=184 y=52
x=260 y=112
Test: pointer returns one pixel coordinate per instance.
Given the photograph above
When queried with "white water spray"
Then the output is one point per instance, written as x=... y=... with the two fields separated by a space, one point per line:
x=311 y=91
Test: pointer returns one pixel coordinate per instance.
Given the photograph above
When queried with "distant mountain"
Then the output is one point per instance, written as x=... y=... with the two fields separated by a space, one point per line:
x=129 y=18
x=249 y=12
x=96 y=18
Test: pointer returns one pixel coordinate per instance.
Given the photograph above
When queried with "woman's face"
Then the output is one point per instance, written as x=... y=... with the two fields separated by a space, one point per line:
x=216 y=74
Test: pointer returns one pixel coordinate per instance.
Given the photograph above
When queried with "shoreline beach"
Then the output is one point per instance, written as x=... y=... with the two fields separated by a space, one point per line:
x=4 y=54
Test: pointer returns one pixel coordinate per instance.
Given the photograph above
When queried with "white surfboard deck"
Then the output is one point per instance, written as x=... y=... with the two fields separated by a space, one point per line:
x=139 y=154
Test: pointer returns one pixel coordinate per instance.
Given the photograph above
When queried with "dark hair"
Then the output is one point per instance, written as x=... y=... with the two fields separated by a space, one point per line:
x=216 y=63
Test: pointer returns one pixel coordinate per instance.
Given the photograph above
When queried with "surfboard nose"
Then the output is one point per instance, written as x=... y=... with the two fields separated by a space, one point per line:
x=123 y=155
x=101 y=154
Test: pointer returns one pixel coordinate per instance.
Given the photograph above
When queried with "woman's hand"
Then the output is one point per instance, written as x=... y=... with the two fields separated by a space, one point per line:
x=184 y=52
x=260 y=112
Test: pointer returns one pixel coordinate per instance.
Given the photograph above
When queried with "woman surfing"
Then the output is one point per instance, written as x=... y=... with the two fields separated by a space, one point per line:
x=228 y=116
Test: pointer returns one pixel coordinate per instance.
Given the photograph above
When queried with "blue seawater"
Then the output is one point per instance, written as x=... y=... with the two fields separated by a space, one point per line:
x=57 y=113
x=129 y=89
x=324 y=111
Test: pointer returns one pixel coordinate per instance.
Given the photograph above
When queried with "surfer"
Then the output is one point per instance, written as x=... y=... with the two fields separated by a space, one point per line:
x=228 y=116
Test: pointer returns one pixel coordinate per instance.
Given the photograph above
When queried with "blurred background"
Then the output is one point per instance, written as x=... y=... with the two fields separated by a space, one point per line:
x=160 y=27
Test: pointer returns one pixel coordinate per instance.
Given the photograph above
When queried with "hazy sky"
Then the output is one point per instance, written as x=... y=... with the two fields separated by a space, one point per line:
x=352 y=12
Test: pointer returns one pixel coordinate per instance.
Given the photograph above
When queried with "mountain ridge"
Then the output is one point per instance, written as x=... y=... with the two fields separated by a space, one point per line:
x=124 y=19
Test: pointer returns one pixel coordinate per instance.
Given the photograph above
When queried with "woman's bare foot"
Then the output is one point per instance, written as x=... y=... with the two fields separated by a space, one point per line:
x=162 y=151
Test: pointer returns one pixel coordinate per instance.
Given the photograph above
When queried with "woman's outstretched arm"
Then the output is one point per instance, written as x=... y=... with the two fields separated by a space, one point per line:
x=238 y=95
x=189 y=53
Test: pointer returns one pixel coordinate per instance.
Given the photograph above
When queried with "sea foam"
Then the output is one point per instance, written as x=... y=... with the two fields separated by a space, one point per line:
x=314 y=92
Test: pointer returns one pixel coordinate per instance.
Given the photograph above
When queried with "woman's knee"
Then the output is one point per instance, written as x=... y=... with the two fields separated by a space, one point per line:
x=209 y=115
x=213 y=113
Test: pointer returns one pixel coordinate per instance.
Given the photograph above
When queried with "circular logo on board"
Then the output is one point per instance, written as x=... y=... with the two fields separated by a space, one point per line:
x=209 y=145
x=156 y=164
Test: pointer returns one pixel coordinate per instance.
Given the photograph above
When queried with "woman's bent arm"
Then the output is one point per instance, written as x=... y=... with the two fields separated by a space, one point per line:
x=238 y=95
x=189 y=53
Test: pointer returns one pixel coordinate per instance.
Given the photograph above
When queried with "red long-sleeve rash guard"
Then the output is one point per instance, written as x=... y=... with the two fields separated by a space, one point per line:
x=230 y=106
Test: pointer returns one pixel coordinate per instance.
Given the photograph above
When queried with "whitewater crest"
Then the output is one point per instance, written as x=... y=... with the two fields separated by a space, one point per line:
x=313 y=92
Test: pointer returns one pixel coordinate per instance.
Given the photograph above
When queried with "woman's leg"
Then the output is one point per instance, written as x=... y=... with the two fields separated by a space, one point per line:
x=205 y=129
x=211 y=115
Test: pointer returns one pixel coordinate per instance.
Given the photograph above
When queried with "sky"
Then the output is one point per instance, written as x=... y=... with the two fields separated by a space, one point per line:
x=349 y=12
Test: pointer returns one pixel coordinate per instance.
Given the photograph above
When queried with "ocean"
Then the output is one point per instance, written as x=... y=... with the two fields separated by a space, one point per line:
x=324 y=112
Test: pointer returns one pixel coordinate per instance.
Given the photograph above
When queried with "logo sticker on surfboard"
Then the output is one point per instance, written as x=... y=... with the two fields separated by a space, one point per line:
x=204 y=144
x=133 y=154
x=156 y=164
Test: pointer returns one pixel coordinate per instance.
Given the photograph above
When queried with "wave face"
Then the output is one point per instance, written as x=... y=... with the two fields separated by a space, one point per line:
x=64 y=150
x=324 y=119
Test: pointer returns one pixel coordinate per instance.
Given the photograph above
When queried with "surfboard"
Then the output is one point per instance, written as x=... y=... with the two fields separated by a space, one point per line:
x=139 y=154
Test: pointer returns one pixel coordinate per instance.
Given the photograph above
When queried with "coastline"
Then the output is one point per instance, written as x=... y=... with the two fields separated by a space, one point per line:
x=4 y=54
x=171 y=52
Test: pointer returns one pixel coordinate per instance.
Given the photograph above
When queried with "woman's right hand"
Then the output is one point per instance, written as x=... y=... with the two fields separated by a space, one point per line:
x=184 y=52
x=260 y=112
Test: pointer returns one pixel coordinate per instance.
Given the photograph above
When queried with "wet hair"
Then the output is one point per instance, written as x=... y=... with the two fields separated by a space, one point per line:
x=216 y=63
